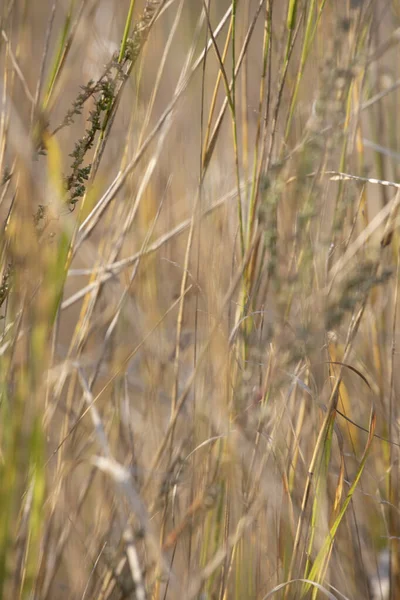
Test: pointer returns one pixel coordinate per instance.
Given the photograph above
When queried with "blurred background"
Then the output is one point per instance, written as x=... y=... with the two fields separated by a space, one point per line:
x=198 y=353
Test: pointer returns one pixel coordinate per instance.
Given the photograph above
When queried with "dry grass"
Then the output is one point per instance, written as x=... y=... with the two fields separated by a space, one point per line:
x=198 y=353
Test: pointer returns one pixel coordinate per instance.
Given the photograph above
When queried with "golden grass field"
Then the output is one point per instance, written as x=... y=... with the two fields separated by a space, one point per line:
x=199 y=339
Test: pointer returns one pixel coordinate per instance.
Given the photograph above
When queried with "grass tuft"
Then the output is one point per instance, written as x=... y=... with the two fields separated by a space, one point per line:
x=199 y=276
